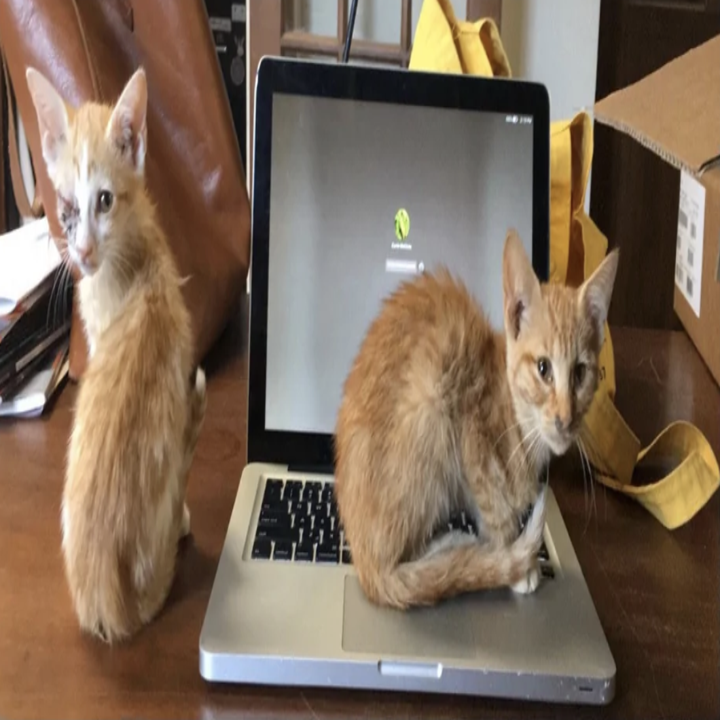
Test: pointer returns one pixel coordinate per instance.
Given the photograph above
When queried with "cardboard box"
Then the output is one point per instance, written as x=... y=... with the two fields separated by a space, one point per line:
x=675 y=112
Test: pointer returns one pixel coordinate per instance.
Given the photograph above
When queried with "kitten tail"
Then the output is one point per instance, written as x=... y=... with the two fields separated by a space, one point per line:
x=465 y=567
x=104 y=612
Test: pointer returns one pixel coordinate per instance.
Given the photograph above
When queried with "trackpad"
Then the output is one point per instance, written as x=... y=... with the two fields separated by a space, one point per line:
x=442 y=631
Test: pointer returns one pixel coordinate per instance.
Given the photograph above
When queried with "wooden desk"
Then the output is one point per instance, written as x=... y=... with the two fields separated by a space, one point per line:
x=656 y=591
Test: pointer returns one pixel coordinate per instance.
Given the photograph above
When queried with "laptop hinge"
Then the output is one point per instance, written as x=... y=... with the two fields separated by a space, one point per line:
x=312 y=469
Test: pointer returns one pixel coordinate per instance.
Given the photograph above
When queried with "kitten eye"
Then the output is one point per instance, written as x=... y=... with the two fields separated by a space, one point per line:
x=544 y=368
x=580 y=370
x=104 y=201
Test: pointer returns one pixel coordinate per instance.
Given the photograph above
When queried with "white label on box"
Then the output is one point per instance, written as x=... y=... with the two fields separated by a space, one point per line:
x=691 y=229
x=239 y=13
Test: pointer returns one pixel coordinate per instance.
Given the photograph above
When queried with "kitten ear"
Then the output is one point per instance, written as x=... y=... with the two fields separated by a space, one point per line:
x=127 y=127
x=52 y=116
x=596 y=291
x=520 y=285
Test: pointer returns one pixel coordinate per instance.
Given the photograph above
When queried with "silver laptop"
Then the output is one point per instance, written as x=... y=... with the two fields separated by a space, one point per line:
x=364 y=177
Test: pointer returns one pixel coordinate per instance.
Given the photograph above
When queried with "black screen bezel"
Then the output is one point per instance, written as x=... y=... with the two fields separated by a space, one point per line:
x=369 y=84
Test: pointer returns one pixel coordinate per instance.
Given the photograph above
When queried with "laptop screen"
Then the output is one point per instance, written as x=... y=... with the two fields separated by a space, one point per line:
x=363 y=196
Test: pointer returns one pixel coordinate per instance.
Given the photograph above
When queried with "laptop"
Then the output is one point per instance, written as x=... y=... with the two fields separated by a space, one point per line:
x=363 y=177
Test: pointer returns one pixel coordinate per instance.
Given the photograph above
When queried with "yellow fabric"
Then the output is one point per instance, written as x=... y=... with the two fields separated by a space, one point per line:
x=445 y=44
x=577 y=247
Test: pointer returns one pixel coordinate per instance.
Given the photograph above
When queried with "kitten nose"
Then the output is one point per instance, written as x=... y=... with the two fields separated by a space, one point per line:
x=561 y=424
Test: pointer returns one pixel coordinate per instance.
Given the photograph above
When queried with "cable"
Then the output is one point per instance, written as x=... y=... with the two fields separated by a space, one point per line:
x=350 y=28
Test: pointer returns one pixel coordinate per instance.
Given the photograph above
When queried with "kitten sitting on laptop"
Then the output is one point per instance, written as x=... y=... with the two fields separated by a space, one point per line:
x=138 y=411
x=440 y=413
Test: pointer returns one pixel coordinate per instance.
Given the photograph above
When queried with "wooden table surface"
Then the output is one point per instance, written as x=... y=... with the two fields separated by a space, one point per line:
x=656 y=592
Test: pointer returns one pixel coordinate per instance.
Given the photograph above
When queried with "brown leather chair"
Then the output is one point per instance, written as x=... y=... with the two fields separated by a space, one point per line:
x=88 y=49
x=3 y=211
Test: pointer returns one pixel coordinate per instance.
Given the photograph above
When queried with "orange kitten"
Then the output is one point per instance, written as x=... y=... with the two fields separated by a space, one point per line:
x=138 y=411
x=442 y=414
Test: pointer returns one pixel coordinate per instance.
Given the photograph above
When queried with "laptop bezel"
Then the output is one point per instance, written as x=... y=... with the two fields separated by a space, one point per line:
x=369 y=84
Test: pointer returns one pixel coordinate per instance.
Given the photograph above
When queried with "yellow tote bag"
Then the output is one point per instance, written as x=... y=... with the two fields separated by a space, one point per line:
x=577 y=247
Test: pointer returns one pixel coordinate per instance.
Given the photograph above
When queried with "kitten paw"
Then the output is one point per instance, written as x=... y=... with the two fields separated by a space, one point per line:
x=200 y=382
x=529 y=584
x=185 y=527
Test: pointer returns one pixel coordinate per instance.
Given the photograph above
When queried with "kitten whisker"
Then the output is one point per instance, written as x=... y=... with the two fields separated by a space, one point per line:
x=586 y=456
x=605 y=501
x=52 y=299
x=55 y=290
x=533 y=452
x=67 y=280
x=122 y=265
x=593 y=503
x=585 y=488
x=592 y=479
x=524 y=465
x=531 y=433
x=58 y=302
x=509 y=429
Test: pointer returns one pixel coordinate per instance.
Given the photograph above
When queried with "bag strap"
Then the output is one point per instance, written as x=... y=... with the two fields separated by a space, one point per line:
x=614 y=452
x=32 y=209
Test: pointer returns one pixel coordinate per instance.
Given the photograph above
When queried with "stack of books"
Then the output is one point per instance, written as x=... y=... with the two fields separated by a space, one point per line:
x=35 y=312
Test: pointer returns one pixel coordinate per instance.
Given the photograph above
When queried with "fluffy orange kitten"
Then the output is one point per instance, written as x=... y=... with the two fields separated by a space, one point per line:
x=138 y=411
x=441 y=414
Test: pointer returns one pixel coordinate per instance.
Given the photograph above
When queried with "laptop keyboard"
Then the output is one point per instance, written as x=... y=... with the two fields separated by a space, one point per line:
x=299 y=523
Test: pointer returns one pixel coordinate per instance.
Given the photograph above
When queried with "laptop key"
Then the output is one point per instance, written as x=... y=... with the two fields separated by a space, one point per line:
x=327 y=552
x=543 y=553
x=283 y=550
x=346 y=557
x=274 y=533
x=319 y=509
x=271 y=518
x=547 y=571
x=304 y=552
x=292 y=490
x=262 y=549
x=298 y=507
x=272 y=494
x=274 y=505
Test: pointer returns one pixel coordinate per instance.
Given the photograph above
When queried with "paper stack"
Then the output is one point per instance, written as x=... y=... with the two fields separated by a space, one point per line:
x=35 y=310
